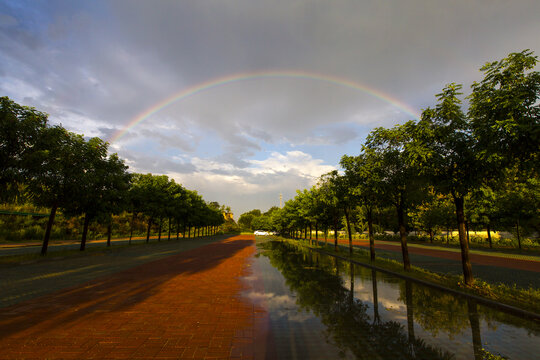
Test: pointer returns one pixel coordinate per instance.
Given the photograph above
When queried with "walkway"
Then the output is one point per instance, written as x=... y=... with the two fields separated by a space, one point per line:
x=182 y=306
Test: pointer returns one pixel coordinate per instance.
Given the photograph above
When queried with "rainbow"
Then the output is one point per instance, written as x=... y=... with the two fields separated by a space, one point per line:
x=211 y=84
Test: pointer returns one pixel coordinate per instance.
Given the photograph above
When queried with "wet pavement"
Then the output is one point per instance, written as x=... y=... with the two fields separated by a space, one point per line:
x=183 y=306
x=235 y=299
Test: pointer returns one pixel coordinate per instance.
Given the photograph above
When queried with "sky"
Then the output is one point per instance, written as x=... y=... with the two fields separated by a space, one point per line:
x=244 y=100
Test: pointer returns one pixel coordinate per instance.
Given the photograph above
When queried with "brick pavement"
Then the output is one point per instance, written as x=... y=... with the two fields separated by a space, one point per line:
x=185 y=306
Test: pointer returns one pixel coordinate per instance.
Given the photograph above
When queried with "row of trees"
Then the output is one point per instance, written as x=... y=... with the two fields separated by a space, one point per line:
x=60 y=170
x=487 y=157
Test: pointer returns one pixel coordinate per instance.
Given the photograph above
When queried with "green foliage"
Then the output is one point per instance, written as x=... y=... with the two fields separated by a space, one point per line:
x=505 y=111
x=57 y=169
x=20 y=131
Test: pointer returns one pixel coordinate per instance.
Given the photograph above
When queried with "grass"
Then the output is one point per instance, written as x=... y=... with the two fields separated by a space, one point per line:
x=526 y=299
x=52 y=255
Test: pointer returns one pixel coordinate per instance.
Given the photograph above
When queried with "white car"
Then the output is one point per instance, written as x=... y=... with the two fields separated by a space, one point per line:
x=261 y=232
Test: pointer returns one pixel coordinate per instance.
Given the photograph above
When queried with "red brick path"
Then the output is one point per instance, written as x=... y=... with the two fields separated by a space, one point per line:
x=187 y=306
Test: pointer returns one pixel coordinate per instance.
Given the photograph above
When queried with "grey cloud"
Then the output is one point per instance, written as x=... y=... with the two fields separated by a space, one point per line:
x=107 y=133
x=157 y=165
x=100 y=64
x=7 y=20
x=174 y=139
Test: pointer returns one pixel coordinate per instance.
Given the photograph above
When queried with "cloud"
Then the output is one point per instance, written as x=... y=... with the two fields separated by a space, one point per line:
x=97 y=66
x=296 y=162
x=7 y=21
x=280 y=305
x=257 y=185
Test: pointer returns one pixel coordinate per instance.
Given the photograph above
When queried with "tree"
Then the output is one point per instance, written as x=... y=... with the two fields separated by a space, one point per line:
x=330 y=198
x=518 y=204
x=505 y=111
x=149 y=194
x=342 y=190
x=245 y=220
x=103 y=189
x=445 y=150
x=20 y=130
x=178 y=206
x=364 y=178
x=56 y=172
x=433 y=214
x=399 y=180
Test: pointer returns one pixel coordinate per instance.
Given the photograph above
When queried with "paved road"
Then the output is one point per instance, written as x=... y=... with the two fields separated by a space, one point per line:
x=182 y=306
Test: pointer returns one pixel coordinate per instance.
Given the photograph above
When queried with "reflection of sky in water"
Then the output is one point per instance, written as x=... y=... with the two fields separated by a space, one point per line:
x=298 y=333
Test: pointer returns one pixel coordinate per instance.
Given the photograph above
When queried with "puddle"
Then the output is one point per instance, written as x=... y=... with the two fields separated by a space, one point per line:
x=320 y=307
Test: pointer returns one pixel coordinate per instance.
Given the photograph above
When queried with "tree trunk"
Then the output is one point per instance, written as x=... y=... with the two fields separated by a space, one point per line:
x=109 y=233
x=148 y=230
x=410 y=311
x=169 y=236
x=348 y=230
x=370 y=234
x=467 y=229
x=518 y=235
x=189 y=231
x=351 y=294
x=48 y=229
x=325 y=235
x=447 y=236
x=376 y=316
x=131 y=227
x=489 y=236
x=463 y=243
x=403 y=237
x=335 y=234
x=177 y=229
x=310 y=234
x=431 y=236
x=160 y=227
x=475 y=329
x=85 y=231
x=317 y=232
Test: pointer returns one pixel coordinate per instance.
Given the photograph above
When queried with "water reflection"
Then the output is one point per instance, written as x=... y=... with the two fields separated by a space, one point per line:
x=415 y=322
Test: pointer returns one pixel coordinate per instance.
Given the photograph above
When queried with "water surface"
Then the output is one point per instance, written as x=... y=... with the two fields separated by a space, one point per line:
x=320 y=307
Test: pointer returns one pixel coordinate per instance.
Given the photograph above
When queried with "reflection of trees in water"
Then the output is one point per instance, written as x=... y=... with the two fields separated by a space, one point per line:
x=436 y=311
x=320 y=289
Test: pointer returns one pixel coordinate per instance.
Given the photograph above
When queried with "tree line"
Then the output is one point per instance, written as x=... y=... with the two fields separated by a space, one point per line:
x=56 y=169
x=452 y=167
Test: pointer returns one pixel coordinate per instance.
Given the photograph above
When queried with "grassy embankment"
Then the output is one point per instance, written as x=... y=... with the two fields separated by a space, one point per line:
x=52 y=255
x=526 y=299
